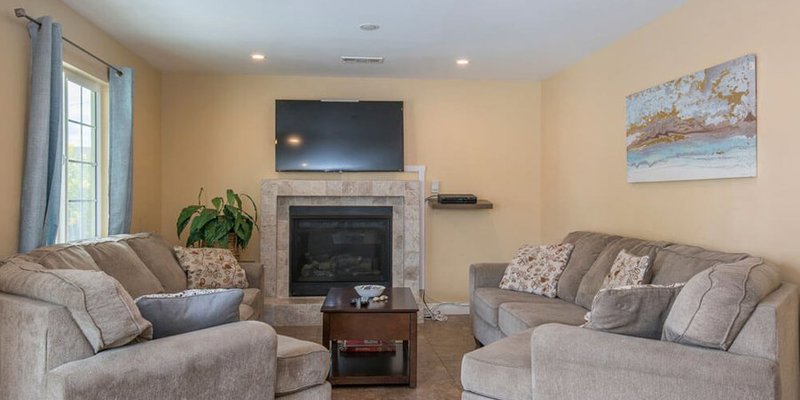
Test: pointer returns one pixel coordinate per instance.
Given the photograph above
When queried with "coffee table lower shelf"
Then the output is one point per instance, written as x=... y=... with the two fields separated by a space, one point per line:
x=387 y=368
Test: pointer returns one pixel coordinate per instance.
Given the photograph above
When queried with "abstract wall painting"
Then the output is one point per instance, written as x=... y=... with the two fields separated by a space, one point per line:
x=700 y=126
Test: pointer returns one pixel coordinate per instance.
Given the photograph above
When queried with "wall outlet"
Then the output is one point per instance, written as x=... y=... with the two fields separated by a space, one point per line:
x=435 y=187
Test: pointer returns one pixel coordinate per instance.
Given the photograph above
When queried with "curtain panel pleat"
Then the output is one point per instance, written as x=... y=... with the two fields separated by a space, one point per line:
x=40 y=201
x=120 y=158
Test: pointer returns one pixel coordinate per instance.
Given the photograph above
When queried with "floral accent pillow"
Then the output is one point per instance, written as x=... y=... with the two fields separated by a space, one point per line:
x=627 y=270
x=210 y=268
x=536 y=269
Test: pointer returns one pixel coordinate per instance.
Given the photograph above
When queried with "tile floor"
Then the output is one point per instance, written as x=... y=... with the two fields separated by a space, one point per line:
x=441 y=345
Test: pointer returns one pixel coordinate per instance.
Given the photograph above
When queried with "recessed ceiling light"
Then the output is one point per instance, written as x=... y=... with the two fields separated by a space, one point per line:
x=257 y=57
x=369 y=27
x=462 y=61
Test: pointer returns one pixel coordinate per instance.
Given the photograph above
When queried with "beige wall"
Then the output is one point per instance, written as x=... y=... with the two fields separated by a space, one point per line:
x=14 y=72
x=584 y=180
x=473 y=136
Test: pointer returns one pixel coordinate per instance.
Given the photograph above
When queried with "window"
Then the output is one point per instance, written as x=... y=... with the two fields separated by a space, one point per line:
x=82 y=205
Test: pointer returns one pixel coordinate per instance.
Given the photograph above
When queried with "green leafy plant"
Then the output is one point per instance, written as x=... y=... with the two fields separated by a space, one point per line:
x=216 y=225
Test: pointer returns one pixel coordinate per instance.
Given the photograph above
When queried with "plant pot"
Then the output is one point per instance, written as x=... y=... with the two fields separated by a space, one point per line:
x=233 y=246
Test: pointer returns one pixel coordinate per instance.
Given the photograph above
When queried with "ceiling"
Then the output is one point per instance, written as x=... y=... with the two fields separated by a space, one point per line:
x=503 y=39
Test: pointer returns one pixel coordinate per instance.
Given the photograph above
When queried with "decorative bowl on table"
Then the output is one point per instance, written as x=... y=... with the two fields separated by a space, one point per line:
x=369 y=291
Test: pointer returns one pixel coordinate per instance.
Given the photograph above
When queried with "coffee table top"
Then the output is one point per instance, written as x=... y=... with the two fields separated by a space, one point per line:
x=401 y=300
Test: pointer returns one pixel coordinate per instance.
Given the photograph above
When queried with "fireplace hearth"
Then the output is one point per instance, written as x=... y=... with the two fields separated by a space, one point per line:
x=338 y=246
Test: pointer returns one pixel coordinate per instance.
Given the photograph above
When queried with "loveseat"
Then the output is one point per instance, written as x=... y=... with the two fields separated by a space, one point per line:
x=44 y=354
x=534 y=347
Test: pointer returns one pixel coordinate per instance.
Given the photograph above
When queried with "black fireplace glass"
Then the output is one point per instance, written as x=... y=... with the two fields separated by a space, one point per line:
x=338 y=246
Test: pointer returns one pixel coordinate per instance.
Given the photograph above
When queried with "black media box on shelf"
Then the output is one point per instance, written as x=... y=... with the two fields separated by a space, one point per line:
x=456 y=199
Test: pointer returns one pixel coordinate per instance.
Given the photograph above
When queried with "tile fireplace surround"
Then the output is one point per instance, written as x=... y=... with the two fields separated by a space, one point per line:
x=276 y=197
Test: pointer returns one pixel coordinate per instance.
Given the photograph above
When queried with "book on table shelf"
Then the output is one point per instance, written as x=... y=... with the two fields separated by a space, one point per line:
x=367 y=346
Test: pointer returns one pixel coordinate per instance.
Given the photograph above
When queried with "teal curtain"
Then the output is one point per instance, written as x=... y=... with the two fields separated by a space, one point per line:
x=120 y=151
x=40 y=201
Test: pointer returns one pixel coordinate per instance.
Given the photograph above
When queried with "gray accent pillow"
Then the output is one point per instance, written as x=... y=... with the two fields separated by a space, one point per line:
x=190 y=310
x=638 y=310
x=102 y=309
x=715 y=304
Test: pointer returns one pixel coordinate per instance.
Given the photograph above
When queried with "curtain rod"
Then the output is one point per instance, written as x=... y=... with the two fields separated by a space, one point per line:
x=20 y=13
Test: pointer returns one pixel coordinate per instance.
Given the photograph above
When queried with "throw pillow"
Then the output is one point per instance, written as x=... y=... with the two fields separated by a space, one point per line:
x=190 y=310
x=638 y=310
x=102 y=309
x=210 y=268
x=536 y=269
x=715 y=304
x=627 y=270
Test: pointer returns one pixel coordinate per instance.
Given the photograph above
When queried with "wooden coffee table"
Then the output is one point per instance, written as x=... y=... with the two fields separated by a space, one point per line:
x=391 y=320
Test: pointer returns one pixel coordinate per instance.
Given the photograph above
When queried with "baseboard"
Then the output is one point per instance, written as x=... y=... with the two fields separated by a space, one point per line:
x=450 y=308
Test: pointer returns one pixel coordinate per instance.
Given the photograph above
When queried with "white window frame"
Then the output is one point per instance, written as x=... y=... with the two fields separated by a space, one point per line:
x=72 y=74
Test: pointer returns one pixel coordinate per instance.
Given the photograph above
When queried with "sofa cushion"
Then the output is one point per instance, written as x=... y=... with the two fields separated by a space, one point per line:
x=190 y=310
x=677 y=263
x=62 y=256
x=486 y=302
x=250 y=296
x=593 y=280
x=101 y=308
x=301 y=365
x=501 y=370
x=633 y=310
x=536 y=269
x=588 y=245
x=517 y=317
x=246 y=312
x=157 y=255
x=715 y=304
x=627 y=270
x=121 y=262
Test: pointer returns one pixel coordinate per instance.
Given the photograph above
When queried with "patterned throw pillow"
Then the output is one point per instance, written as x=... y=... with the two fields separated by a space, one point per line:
x=210 y=268
x=536 y=269
x=627 y=270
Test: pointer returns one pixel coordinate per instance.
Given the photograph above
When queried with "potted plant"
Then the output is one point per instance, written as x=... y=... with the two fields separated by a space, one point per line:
x=223 y=224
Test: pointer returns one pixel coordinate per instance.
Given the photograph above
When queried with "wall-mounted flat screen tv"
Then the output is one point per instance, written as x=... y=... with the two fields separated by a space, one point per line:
x=338 y=136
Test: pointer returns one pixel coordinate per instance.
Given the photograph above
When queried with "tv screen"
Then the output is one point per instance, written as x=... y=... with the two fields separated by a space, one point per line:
x=313 y=135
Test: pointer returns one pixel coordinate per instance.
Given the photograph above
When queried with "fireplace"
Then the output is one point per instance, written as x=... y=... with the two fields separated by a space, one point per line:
x=338 y=246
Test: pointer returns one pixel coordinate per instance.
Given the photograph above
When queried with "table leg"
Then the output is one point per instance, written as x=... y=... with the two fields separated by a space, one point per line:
x=412 y=350
x=326 y=330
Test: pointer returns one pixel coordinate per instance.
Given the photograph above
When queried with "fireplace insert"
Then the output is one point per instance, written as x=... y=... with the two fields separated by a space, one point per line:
x=338 y=246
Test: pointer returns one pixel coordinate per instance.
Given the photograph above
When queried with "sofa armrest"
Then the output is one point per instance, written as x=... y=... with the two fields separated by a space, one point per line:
x=576 y=363
x=486 y=275
x=35 y=336
x=255 y=274
x=235 y=361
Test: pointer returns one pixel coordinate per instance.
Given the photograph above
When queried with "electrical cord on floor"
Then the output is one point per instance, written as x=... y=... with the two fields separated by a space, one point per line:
x=430 y=314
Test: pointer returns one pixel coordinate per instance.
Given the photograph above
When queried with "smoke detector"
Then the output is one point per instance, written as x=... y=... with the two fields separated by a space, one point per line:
x=362 y=60
x=369 y=27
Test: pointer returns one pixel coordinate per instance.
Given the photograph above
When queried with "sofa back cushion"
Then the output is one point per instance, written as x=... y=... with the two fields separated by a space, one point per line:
x=677 y=263
x=593 y=280
x=62 y=256
x=101 y=308
x=117 y=259
x=715 y=304
x=588 y=245
x=159 y=258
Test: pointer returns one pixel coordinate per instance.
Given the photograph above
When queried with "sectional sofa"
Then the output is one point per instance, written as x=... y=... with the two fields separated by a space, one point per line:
x=535 y=349
x=43 y=353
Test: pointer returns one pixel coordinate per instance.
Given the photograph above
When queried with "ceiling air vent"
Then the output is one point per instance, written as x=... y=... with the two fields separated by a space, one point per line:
x=362 y=60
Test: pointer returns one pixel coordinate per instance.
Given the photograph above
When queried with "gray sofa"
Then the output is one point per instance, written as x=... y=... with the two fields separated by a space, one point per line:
x=534 y=348
x=44 y=355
